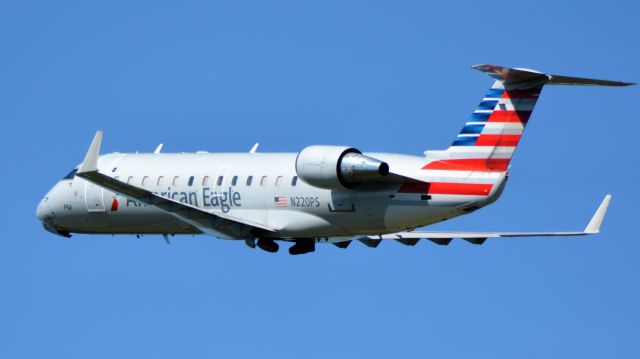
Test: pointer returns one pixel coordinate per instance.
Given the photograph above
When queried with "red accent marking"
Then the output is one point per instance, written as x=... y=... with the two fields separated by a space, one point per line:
x=510 y=116
x=114 y=205
x=478 y=189
x=529 y=93
x=498 y=140
x=469 y=164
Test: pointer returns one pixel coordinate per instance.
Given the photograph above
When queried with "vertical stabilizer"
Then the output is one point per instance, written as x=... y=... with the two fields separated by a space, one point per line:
x=490 y=136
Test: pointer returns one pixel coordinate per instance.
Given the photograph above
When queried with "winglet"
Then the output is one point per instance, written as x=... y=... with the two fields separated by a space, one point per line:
x=90 y=163
x=595 y=222
x=158 y=149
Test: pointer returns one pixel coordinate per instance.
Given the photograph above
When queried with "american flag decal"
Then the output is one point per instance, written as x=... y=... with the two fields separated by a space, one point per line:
x=280 y=201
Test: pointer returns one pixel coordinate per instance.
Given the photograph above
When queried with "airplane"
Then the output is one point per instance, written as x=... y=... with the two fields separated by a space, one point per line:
x=322 y=194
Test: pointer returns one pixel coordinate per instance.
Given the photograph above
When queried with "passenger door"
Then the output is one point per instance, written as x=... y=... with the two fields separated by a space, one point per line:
x=94 y=197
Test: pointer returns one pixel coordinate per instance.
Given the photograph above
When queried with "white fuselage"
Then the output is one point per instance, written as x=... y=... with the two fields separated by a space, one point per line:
x=321 y=194
x=219 y=183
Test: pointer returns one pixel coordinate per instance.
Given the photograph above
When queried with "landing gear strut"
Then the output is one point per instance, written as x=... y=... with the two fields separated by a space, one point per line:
x=303 y=246
x=267 y=244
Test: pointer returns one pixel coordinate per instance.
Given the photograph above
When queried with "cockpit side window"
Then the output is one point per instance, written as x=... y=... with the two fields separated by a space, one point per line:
x=71 y=174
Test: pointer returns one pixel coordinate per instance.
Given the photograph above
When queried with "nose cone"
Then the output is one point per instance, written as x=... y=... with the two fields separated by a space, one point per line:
x=46 y=212
x=40 y=211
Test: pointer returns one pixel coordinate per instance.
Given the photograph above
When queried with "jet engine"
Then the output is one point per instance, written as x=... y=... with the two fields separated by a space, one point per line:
x=335 y=167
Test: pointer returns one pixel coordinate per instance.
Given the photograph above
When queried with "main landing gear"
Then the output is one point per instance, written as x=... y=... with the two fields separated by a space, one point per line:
x=301 y=246
x=268 y=244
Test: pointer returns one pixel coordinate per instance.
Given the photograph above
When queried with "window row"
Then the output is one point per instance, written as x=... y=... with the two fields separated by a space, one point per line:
x=175 y=181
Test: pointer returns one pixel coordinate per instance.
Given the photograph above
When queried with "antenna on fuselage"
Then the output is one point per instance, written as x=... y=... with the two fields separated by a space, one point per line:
x=255 y=148
x=158 y=149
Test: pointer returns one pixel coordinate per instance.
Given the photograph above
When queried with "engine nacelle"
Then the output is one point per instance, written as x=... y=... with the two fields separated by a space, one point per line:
x=334 y=167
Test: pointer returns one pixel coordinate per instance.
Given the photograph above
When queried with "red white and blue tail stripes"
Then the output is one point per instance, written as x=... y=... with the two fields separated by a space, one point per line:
x=489 y=137
x=500 y=118
x=476 y=162
x=483 y=148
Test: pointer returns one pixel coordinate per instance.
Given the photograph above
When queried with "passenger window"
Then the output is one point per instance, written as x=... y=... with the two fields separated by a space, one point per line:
x=249 y=180
x=205 y=181
x=145 y=180
x=175 y=181
x=130 y=179
x=160 y=180
x=220 y=179
x=234 y=180
x=278 y=181
x=191 y=181
x=294 y=181
x=263 y=181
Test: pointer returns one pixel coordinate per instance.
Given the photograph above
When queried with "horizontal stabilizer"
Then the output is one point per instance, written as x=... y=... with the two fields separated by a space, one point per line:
x=526 y=78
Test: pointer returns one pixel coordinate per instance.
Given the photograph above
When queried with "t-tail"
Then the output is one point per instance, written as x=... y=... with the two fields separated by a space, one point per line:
x=490 y=136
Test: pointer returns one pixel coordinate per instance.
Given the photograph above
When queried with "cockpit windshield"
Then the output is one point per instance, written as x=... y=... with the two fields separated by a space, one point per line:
x=71 y=174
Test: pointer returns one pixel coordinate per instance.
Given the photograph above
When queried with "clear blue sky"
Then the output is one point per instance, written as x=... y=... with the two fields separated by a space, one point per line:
x=380 y=76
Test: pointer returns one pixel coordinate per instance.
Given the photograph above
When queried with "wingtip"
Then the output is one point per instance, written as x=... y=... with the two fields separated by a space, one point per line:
x=158 y=149
x=596 y=221
x=90 y=163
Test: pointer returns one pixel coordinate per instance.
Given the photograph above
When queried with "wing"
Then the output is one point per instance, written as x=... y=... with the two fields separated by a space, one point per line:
x=214 y=223
x=444 y=238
